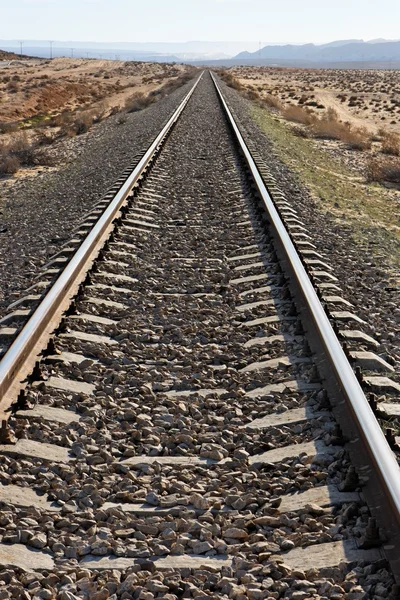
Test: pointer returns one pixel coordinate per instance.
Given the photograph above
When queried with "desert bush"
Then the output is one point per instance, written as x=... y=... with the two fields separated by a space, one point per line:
x=383 y=171
x=22 y=152
x=8 y=127
x=8 y=164
x=13 y=87
x=44 y=138
x=297 y=114
x=391 y=143
x=252 y=95
x=230 y=80
x=271 y=101
x=356 y=139
x=61 y=120
x=83 y=123
x=300 y=132
x=23 y=149
x=329 y=127
x=138 y=101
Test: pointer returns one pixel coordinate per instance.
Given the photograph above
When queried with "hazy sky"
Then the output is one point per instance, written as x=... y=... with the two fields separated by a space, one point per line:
x=215 y=20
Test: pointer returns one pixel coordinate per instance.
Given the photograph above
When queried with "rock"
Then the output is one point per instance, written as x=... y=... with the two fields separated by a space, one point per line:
x=153 y=585
x=199 y=502
x=287 y=545
x=202 y=547
x=153 y=499
x=236 y=533
x=38 y=540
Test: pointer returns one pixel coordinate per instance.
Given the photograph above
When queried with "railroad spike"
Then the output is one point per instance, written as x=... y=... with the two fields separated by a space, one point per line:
x=337 y=437
x=323 y=399
x=371 y=539
x=358 y=374
x=314 y=375
x=36 y=374
x=390 y=438
x=299 y=328
x=21 y=403
x=51 y=348
x=351 y=481
x=372 y=402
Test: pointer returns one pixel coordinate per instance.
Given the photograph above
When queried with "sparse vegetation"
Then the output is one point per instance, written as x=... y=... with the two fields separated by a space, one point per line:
x=391 y=143
x=22 y=152
x=382 y=171
x=43 y=106
x=138 y=101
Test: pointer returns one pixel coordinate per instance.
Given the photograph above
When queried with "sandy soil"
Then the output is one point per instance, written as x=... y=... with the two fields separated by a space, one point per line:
x=367 y=98
x=39 y=89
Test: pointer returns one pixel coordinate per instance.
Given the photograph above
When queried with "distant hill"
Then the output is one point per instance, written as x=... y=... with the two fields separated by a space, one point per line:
x=12 y=55
x=340 y=51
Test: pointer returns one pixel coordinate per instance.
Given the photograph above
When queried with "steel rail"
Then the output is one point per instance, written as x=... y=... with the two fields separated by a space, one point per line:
x=385 y=502
x=20 y=358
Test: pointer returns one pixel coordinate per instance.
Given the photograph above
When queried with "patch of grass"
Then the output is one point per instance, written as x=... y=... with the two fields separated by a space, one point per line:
x=370 y=210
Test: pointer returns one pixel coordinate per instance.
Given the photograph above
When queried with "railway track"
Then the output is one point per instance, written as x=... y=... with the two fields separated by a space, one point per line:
x=177 y=438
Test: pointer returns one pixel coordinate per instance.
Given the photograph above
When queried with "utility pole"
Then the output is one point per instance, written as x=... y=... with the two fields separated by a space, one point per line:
x=51 y=49
x=87 y=54
x=20 y=45
x=72 y=52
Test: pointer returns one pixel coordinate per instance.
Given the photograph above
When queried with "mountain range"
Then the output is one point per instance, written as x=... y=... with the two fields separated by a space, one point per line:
x=338 y=51
x=353 y=52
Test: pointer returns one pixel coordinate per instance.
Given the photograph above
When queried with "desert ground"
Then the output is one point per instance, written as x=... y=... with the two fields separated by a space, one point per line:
x=365 y=98
x=352 y=115
x=339 y=134
x=44 y=103
x=35 y=90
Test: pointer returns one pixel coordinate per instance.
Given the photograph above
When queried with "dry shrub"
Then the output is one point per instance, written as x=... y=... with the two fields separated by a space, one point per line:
x=22 y=152
x=300 y=132
x=44 y=138
x=297 y=114
x=329 y=127
x=61 y=120
x=252 y=95
x=23 y=149
x=271 y=101
x=8 y=127
x=8 y=164
x=83 y=123
x=356 y=139
x=230 y=80
x=383 y=171
x=391 y=143
x=138 y=101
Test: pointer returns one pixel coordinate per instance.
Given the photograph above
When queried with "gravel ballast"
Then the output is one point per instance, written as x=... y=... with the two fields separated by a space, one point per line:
x=366 y=279
x=37 y=214
x=164 y=418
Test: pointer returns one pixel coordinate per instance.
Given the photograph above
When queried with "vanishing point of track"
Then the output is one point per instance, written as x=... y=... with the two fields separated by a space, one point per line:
x=173 y=380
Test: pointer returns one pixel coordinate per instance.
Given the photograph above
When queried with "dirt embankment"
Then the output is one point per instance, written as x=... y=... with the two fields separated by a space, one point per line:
x=40 y=89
